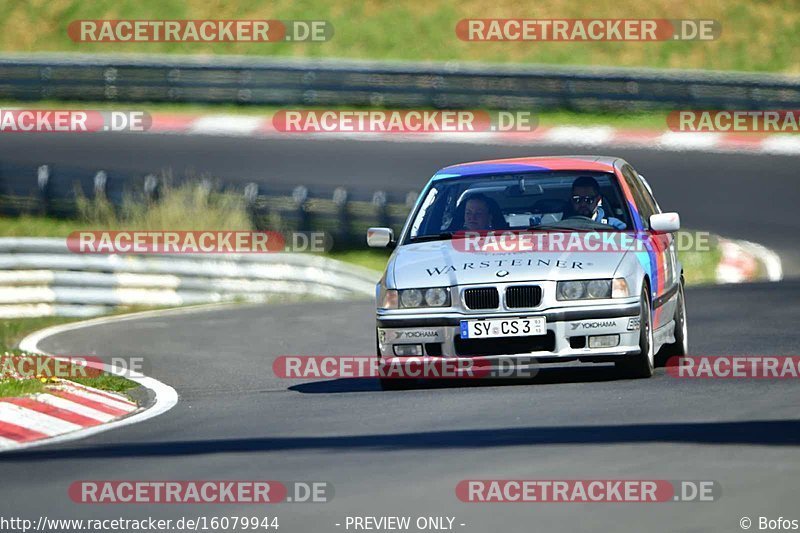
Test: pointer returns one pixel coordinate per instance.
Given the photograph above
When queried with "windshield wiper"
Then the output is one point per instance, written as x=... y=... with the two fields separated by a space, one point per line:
x=581 y=226
x=440 y=237
x=545 y=227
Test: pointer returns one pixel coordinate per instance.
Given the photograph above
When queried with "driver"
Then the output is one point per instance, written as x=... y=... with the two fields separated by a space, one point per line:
x=585 y=202
x=479 y=213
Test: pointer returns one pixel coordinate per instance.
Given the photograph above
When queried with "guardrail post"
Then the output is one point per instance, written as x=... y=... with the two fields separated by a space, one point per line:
x=300 y=196
x=100 y=180
x=151 y=188
x=206 y=187
x=250 y=197
x=411 y=199
x=43 y=184
x=342 y=215
x=382 y=214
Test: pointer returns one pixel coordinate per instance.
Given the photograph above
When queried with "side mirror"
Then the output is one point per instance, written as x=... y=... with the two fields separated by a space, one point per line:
x=379 y=237
x=665 y=222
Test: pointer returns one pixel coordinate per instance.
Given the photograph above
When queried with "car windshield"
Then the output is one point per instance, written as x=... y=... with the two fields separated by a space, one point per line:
x=520 y=201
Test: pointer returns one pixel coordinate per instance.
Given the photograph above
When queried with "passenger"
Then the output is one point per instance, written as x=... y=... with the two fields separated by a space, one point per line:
x=482 y=213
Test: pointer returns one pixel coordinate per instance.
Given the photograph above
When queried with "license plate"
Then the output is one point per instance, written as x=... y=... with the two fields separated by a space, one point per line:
x=503 y=327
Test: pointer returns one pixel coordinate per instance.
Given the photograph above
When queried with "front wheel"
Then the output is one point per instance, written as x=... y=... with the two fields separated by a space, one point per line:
x=681 y=345
x=642 y=364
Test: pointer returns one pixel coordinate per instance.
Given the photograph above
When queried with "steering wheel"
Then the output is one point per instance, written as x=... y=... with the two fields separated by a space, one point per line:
x=580 y=217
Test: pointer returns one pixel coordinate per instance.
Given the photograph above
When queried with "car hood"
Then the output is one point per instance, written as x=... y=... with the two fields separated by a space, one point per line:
x=439 y=263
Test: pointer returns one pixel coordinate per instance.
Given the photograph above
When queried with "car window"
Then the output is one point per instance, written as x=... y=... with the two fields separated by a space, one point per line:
x=641 y=196
x=510 y=201
x=649 y=192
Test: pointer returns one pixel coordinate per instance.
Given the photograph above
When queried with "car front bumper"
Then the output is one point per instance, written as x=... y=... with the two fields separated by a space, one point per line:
x=569 y=332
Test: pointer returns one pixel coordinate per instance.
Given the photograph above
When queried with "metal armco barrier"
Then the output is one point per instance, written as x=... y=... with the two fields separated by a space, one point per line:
x=344 y=214
x=284 y=82
x=41 y=277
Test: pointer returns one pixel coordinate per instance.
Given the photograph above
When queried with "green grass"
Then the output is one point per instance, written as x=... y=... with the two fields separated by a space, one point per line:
x=188 y=206
x=757 y=35
x=13 y=330
x=37 y=226
x=700 y=267
x=370 y=258
x=109 y=382
x=20 y=387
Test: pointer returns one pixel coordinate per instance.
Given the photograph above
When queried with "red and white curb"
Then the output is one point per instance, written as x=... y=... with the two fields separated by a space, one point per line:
x=741 y=259
x=70 y=411
x=262 y=127
x=62 y=409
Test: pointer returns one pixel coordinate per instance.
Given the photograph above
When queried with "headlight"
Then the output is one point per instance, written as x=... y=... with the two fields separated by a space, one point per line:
x=434 y=297
x=411 y=298
x=571 y=290
x=598 y=288
x=592 y=289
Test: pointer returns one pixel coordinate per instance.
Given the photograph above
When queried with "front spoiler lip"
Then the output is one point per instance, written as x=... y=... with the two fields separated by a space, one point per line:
x=539 y=358
x=544 y=358
x=552 y=315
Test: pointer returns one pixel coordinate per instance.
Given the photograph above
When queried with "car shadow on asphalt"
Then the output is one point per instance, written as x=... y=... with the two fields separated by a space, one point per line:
x=752 y=432
x=544 y=376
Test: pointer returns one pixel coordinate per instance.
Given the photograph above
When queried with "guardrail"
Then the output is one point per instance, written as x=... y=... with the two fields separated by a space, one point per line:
x=344 y=214
x=250 y=80
x=41 y=277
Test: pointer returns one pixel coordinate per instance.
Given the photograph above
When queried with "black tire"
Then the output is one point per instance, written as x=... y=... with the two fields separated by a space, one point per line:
x=681 y=345
x=641 y=365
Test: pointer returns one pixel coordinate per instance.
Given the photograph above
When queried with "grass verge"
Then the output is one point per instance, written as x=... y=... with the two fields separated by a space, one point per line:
x=10 y=388
x=14 y=330
x=756 y=35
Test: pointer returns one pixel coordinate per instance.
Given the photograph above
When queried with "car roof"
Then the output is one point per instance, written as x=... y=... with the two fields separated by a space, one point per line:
x=529 y=164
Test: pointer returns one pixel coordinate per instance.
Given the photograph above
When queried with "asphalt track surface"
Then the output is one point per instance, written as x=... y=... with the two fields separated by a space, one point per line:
x=402 y=453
